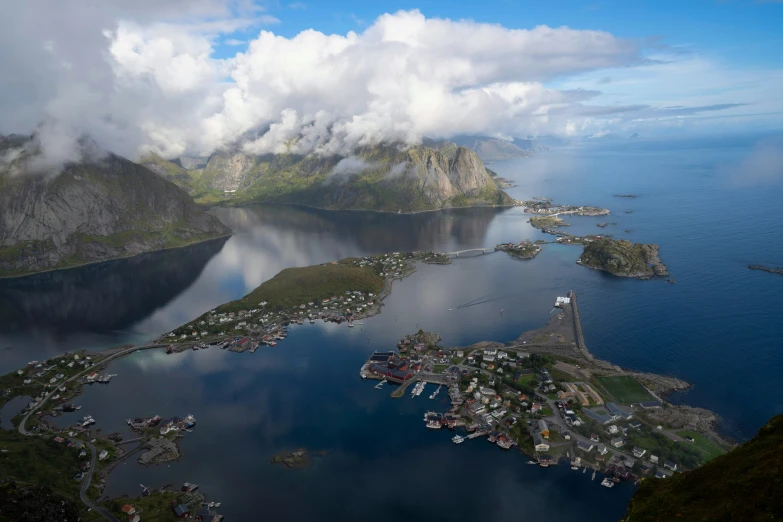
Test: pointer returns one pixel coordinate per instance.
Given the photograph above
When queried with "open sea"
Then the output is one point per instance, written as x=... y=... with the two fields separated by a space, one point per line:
x=717 y=327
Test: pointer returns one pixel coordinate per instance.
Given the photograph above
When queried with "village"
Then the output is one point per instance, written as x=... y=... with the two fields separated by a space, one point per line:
x=553 y=410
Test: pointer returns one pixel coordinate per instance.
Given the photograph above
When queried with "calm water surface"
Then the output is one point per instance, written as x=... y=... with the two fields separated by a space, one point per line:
x=714 y=328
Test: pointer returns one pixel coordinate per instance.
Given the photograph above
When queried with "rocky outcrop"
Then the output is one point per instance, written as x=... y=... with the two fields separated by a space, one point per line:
x=623 y=258
x=102 y=208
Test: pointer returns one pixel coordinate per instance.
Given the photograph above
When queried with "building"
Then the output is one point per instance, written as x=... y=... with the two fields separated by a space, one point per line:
x=602 y=449
x=638 y=452
x=543 y=429
x=670 y=465
x=181 y=511
x=659 y=474
x=650 y=404
x=654 y=459
x=103 y=455
x=619 y=412
x=598 y=417
x=546 y=377
x=584 y=446
x=560 y=302
x=617 y=442
x=128 y=509
x=539 y=443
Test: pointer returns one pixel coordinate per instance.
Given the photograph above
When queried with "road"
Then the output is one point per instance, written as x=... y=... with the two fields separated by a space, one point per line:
x=88 y=477
x=86 y=484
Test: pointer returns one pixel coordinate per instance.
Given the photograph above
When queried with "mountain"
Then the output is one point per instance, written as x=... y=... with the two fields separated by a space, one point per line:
x=744 y=484
x=494 y=149
x=381 y=177
x=103 y=207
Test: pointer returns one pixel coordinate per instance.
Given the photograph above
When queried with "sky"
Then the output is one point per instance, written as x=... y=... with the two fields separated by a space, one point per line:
x=189 y=77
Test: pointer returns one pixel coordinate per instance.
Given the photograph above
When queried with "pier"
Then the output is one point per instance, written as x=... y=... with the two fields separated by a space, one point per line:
x=578 y=335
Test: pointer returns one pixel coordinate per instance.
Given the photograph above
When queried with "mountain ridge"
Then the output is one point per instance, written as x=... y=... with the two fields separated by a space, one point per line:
x=103 y=207
x=385 y=177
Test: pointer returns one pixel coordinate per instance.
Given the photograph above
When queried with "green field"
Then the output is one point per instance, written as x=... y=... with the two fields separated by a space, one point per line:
x=625 y=389
x=710 y=449
x=527 y=379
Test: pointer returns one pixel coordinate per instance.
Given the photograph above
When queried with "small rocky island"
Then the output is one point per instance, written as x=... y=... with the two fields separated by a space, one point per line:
x=624 y=259
x=631 y=196
x=521 y=250
x=769 y=269
x=299 y=458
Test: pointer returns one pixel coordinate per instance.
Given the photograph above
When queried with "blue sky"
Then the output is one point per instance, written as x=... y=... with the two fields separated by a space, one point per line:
x=194 y=76
x=744 y=31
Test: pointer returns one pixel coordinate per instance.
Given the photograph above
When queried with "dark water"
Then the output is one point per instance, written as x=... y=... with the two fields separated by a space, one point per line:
x=716 y=327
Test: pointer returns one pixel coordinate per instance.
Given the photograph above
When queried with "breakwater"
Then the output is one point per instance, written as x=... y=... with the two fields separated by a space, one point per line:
x=578 y=334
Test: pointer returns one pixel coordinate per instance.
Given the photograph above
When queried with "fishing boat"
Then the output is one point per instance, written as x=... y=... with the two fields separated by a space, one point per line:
x=593 y=475
x=584 y=470
x=457 y=439
x=350 y=324
x=88 y=420
x=531 y=462
x=574 y=467
x=607 y=483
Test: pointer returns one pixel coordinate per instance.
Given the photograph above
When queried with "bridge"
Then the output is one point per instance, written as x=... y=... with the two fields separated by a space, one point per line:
x=481 y=250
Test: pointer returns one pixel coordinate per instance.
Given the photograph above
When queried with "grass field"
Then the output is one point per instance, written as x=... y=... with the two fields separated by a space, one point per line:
x=710 y=449
x=526 y=379
x=625 y=389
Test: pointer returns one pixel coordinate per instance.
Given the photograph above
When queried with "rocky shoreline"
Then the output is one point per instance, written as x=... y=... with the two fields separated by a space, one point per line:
x=763 y=268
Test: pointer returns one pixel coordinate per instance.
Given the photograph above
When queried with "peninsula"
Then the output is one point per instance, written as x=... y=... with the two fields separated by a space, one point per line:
x=548 y=395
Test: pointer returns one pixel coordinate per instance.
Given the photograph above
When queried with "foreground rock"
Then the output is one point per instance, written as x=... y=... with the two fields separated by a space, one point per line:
x=31 y=503
x=743 y=485
x=103 y=207
x=623 y=258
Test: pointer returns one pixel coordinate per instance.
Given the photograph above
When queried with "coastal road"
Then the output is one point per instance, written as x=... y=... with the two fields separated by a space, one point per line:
x=86 y=484
x=88 y=477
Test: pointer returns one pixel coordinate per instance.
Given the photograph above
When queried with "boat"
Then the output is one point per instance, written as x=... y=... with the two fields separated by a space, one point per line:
x=88 y=420
x=450 y=309
x=188 y=487
x=593 y=475
x=350 y=324
x=607 y=483
x=456 y=439
x=584 y=470
x=434 y=424
x=574 y=467
x=190 y=420
x=531 y=462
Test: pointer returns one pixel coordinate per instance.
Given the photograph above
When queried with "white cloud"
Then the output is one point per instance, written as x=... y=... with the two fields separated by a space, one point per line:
x=134 y=82
x=235 y=42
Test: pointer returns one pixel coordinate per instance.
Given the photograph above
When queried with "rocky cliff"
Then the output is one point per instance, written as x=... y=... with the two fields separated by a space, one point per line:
x=744 y=484
x=383 y=177
x=104 y=207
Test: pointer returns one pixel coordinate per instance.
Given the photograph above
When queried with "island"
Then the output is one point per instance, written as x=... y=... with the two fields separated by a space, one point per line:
x=545 y=206
x=631 y=196
x=623 y=258
x=771 y=270
x=521 y=250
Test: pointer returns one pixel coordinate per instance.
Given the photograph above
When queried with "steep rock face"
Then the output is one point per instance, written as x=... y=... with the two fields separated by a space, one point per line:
x=381 y=177
x=93 y=211
x=744 y=484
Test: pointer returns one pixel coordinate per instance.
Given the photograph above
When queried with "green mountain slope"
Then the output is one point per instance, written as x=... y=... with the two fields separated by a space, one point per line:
x=383 y=177
x=103 y=208
x=745 y=484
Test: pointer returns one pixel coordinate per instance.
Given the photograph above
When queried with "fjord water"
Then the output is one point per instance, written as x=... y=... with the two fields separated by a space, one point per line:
x=716 y=328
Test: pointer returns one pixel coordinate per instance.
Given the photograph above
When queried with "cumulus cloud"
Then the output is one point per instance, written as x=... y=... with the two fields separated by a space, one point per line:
x=143 y=76
x=347 y=167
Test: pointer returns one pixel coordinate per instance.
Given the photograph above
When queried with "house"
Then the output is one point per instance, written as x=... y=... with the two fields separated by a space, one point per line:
x=567 y=435
x=103 y=455
x=546 y=377
x=543 y=429
x=670 y=465
x=181 y=511
x=596 y=416
x=602 y=449
x=650 y=404
x=206 y=514
x=134 y=518
x=584 y=446
x=638 y=452
x=654 y=459
x=128 y=509
x=539 y=443
x=659 y=474
x=612 y=429
x=617 y=442
x=635 y=425
x=619 y=412
x=594 y=438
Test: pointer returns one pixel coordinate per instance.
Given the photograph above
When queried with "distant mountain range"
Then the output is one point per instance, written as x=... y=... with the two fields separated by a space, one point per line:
x=494 y=149
x=104 y=207
x=384 y=177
